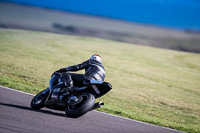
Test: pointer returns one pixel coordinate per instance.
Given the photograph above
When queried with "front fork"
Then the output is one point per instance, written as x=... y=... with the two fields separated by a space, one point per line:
x=48 y=89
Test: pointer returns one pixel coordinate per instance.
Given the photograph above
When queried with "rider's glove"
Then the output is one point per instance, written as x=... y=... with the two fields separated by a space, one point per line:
x=59 y=71
x=62 y=70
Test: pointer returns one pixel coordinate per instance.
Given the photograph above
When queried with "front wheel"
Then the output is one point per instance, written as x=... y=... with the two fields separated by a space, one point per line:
x=83 y=103
x=39 y=100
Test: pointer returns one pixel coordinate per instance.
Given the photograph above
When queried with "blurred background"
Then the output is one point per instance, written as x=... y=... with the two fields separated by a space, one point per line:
x=171 y=24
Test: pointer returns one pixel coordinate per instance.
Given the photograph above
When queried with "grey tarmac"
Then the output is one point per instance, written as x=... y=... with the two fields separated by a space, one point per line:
x=16 y=116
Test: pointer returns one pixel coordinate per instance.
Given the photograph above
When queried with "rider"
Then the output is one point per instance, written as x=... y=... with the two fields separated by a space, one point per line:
x=94 y=70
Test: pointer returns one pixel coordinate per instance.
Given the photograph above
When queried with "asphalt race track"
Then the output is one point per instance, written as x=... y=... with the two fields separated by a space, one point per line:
x=16 y=116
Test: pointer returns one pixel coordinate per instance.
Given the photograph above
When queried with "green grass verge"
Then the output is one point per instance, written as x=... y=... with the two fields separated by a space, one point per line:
x=153 y=85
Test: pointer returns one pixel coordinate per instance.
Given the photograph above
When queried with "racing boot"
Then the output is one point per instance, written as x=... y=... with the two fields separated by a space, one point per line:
x=69 y=84
x=73 y=89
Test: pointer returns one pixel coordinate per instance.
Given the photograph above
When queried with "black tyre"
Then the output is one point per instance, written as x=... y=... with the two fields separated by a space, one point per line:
x=39 y=100
x=84 y=103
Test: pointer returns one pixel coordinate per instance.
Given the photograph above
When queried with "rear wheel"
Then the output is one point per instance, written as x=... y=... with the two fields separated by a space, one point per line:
x=80 y=105
x=39 y=100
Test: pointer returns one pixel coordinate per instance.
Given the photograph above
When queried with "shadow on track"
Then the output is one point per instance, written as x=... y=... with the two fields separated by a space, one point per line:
x=30 y=109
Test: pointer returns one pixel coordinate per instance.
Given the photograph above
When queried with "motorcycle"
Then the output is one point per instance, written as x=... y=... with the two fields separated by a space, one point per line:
x=75 y=104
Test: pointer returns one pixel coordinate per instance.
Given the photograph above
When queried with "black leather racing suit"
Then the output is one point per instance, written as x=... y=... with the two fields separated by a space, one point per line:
x=93 y=71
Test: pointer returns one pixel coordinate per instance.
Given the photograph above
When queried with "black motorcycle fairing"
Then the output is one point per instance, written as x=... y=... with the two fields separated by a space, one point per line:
x=98 y=89
x=103 y=88
x=55 y=81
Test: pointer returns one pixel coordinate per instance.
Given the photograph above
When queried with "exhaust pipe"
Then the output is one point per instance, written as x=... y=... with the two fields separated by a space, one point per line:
x=97 y=105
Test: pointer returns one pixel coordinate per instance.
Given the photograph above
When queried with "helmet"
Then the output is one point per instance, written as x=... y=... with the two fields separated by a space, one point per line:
x=96 y=57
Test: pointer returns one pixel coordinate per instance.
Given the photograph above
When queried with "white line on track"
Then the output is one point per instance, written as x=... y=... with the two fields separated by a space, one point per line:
x=16 y=90
x=100 y=112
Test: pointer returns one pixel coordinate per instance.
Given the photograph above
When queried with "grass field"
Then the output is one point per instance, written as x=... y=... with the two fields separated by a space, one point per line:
x=153 y=85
